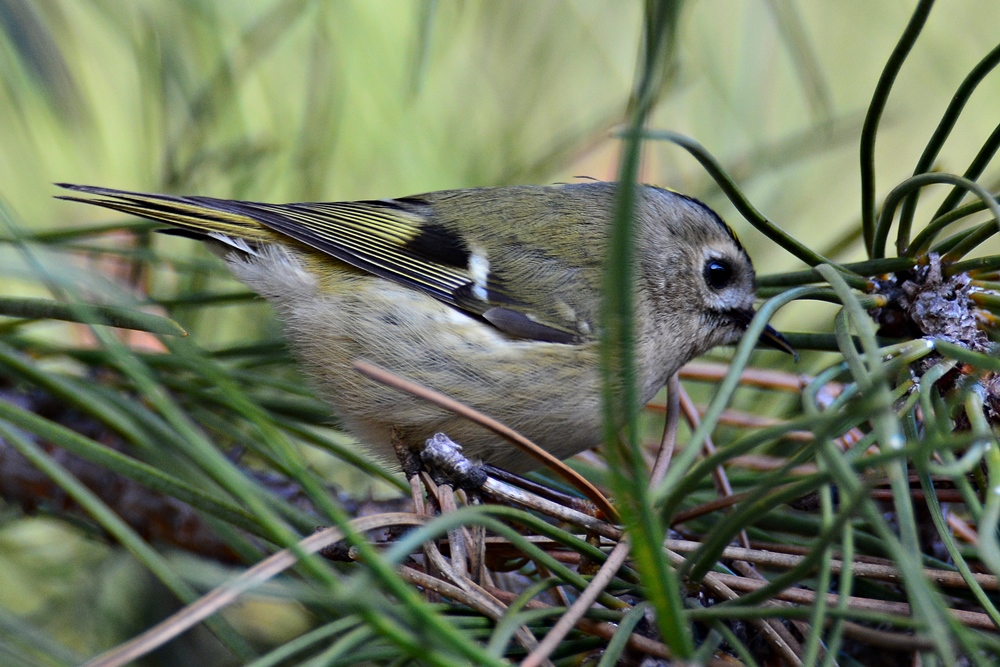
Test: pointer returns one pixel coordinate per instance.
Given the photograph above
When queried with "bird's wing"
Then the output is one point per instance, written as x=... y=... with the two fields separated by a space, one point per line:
x=396 y=239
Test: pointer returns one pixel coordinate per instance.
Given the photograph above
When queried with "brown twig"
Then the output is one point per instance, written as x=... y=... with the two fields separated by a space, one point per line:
x=669 y=440
x=511 y=494
x=863 y=567
x=741 y=419
x=708 y=371
x=763 y=463
x=970 y=619
x=573 y=502
x=897 y=641
x=859 y=569
x=962 y=529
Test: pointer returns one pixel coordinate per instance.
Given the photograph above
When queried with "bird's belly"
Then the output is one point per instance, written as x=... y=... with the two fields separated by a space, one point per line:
x=547 y=391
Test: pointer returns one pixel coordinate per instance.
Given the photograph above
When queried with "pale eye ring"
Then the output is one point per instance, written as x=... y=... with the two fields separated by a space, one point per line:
x=718 y=273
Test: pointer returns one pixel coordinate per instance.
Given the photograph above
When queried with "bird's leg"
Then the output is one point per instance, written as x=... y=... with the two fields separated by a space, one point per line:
x=444 y=455
x=409 y=461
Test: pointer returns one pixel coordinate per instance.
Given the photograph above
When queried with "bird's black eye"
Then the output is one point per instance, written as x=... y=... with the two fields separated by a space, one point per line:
x=718 y=273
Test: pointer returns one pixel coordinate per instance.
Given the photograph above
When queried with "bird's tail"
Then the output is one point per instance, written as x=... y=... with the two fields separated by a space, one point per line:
x=201 y=217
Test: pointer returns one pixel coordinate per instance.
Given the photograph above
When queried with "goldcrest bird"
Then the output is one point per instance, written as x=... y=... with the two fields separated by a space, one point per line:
x=489 y=295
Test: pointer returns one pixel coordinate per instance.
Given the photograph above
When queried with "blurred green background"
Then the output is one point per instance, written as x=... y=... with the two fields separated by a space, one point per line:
x=308 y=100
x=301 y=100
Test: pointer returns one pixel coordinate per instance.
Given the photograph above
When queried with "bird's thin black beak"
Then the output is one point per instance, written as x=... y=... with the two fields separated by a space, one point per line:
x=773 y=338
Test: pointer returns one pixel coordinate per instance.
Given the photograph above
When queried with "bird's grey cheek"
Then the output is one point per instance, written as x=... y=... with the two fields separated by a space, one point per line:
x=722 y=333
x=736 y=335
